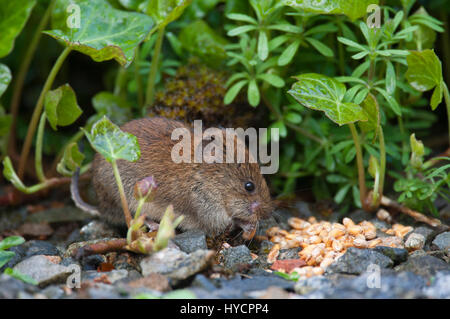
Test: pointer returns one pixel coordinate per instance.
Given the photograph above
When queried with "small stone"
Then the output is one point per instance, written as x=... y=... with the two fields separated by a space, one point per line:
x=92 y=262
x=235 y=256
x=41 y=269
x=359 y=216
x=96 y=229
x=40 y=247
x=200 y=281
x=424 y=231
x=109 y=277
x=442 y=241
x=291 y=253
x=176 y=264
x=152 y=281
x=441 y=286
x=423 y=265
x=357 y=261
x=287 y=265
x=398 y=255
x=415 y=241
x=308 y=285
x=53 y=292
x=191 y=241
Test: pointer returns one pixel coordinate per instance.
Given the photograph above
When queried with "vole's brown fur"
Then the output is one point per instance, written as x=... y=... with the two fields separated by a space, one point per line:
x=212 y=197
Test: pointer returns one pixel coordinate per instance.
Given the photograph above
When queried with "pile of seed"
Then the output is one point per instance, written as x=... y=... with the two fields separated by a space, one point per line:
x=323 y=242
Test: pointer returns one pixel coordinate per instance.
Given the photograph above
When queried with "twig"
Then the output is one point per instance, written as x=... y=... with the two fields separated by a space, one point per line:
x=385 y=201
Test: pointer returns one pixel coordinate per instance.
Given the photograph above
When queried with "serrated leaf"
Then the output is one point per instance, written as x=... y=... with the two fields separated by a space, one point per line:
x=322 y=93
x=11 y=241
x=104 y=33
x=13 y=17
x=61 y=106
x=71 y=160
x=202 y=41
x=5 y=78
x=111 y=142
x=425 y=73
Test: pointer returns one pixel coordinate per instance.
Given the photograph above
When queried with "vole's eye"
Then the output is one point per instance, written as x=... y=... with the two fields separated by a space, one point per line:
x=249 y=186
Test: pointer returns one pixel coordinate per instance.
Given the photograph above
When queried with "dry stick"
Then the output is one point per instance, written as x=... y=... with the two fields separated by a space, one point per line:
x=18 y=84
x=385 y=201
x=37 y=112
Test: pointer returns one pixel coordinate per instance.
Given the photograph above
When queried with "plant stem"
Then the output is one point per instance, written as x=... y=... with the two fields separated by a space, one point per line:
x=360 y=165
x=19 y=82
x=150 y=94
x=123 y=198
x=119 y=81
x=447 y=104
x=37 y=111
x=382 y=159
x=39 y=141
x=137 y=76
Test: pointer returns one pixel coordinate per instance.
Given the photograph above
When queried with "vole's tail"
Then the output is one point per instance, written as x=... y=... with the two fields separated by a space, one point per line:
x=79 y=202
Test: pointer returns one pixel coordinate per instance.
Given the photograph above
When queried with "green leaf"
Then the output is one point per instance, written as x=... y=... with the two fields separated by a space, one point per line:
x=5 y=256
x=13 y=17
x=114 y=107
x=241 y=17
x=425 y=73
x=293 y=117
x=253 y=93
x=239 y=30
x=391 y=101
x=11 y=241
x=111 y=142
x=233 y=91
x=340 y=195
x=202 y=41
x=322 y=48
x=104 y=33
x=354 y=9
x=17 y=275
x=289 y=53
x=374 y=166
x=370 y=105
x=5 y=123
x=391 y=81
x=322 y=93
x=61 y=106
x=272 y=79
x=263 y=45
x=5 y=78
x=166 y=11
x=282 y=128
x=71 y=160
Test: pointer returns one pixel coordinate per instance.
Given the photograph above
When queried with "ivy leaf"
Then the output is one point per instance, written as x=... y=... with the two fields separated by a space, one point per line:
x=425 y=73
x=13 y=16
x=11 y=241
x=373 y=114
x=202 y=41
x=113 y=106
x=104 y=33
x=5 y=78
x=61 y=106
x=111 y=142
x=322 y=93
x=71 y=160
x=166 y=11
x=354 y=9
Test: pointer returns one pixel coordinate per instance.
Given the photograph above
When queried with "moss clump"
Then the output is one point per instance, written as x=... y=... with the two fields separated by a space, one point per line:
x=197 y=92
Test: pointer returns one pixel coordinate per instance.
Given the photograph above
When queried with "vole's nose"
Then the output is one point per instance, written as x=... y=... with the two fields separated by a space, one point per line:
x=255 y=207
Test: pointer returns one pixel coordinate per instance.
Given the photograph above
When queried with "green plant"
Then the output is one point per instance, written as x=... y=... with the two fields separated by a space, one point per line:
x=6 y=255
